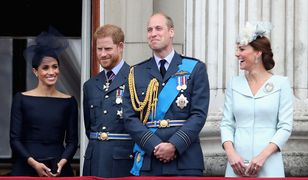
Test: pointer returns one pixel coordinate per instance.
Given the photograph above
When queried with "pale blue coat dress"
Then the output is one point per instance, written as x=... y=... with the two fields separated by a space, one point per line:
x=252 y=122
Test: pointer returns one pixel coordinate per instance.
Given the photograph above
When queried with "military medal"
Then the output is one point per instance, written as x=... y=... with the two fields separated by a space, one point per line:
x=118 y=100
x=119 y=95
x=120 y=113
x=182 y=83
x=181 y=101
x=184 y=80
x=109 y=78
x=106 y=86
x=178 y=87
x=122 y=87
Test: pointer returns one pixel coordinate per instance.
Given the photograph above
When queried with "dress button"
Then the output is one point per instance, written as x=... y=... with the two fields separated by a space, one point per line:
x=91 y=106
x=105 y=111
x=106 y=96
x=163 y=84
x=142 y=93
x=131 y=156
x=104 y=128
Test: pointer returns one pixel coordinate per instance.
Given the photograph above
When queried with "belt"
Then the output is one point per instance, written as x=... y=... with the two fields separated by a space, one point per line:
x=164 y=123
x=104 y=136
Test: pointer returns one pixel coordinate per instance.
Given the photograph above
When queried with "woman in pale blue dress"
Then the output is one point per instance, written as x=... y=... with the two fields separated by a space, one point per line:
x=258 y=110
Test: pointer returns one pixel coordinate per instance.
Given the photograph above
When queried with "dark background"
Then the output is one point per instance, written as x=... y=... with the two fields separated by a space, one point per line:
x=21 y=20
x=30 y=17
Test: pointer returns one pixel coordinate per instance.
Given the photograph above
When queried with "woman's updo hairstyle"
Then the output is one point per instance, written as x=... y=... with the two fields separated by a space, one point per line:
x=254 y=34
x=263 y=44
x=51 y=44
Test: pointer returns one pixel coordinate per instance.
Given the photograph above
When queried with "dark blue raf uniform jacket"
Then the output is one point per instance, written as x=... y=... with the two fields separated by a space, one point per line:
x=106 y=158
x=189 y=160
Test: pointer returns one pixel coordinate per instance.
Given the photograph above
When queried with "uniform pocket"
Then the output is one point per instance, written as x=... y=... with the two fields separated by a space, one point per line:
x=122 y=161
x=94 y=107
x=122 y=152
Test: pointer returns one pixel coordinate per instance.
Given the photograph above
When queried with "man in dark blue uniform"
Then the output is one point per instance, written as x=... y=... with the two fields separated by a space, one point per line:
x=109 y=152
x=165 y=107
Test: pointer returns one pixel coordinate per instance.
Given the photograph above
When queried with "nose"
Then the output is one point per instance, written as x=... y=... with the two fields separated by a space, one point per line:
x=52 y=70
x=237 y=53
x=102 y=53
x=153 y=33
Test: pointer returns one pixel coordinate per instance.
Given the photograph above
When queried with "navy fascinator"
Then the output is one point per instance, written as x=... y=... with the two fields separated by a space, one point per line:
x=51 y=43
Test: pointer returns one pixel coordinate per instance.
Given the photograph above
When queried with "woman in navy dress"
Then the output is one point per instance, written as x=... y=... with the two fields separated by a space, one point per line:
x=44 y=121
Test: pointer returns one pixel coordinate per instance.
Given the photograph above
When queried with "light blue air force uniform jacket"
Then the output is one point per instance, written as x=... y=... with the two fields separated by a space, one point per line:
x=251 y=122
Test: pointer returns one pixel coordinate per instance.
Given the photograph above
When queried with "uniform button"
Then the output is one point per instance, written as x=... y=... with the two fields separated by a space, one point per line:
x=91 y=106
x=106 y=96
x=104 y=128
x=131 y=156
x=142 y=93
x=105 y=111
x=163 y=84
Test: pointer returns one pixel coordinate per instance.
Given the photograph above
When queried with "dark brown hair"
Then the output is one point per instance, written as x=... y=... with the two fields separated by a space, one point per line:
x=263 y=44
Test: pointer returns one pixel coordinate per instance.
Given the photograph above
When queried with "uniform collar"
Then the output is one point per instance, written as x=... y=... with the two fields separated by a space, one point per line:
x=168 y=58
x=117 y=68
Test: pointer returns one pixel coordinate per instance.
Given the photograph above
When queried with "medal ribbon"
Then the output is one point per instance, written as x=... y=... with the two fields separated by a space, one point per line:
x=120 y=93
x=165 y=99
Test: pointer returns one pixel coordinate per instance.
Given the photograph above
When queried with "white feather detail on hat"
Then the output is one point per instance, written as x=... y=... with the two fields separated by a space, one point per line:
x=252 y=30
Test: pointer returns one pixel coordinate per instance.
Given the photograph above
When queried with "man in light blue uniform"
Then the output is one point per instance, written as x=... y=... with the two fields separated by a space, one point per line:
x=109 y=152
x=165 y=107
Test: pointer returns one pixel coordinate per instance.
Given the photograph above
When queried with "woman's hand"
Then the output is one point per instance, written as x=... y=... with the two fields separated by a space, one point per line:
x=41 y=169
x=235 y=160
x=257 y=162
x=60 y=165
x=237 y=164
x=255 y=166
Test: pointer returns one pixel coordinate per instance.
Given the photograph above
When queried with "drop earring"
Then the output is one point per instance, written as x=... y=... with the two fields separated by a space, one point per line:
x=257 y=60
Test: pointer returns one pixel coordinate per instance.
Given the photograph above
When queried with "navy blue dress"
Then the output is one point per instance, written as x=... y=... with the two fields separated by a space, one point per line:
x=45 y=128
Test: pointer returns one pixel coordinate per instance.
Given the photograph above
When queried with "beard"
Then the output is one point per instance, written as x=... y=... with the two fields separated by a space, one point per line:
x=109 y=62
